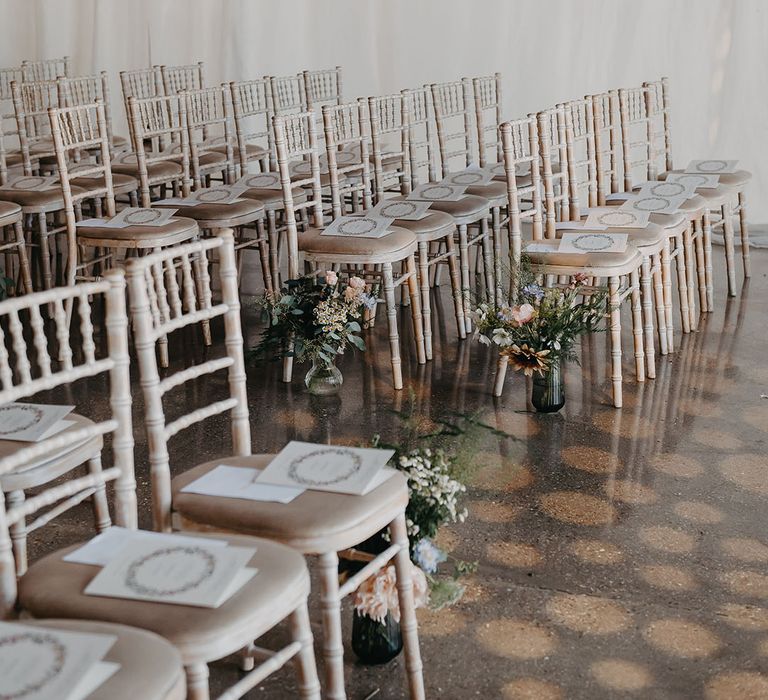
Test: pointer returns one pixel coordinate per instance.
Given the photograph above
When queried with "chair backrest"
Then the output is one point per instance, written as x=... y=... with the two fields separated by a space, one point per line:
x=347 y=134
x=7 y=115
x=554 y=167
x=76 y=129
x=659 y=104
x=85 y=90
x=163 y=119
x=288 y=94
x=389 y=116
x=453 y=118
x=32 y=361
x=252 y=114
x=488 y=105
x=605 y=110
x=296 y=140
x=168 y=291
x=31 y=102
x=210 y=124
x=580 y=155
x=50 y=69
x=520 y=153
x=642 y=135
x=323 y=87
x=182 y=78
x=418 y=103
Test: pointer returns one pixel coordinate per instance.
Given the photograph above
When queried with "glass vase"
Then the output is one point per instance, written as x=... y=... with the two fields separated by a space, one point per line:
x=548 y=394
x=375 y=642
x=323 y=378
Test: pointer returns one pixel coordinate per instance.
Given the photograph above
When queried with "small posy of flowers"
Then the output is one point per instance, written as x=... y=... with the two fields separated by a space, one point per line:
x=315 y=317
x=377 y=595
x=542 y=326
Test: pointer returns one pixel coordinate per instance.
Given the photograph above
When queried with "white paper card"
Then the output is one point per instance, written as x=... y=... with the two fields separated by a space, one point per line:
x=240 y=482
x=469 y=177
x=180 y=574
x=695 y=180
x=499 y=169
x=589 y=242
x=31 y=182
x=541 y=247
x=437 y=192
x=367 y=226
x=614 y=217
x=222 y=194
x=95 y=677
x=711 y=167
x=41 y=663
x=103 y=548
x=29 y=422
x=408 y=210
x=654 y=203
x=264 y=181
x=326 y=467
x=140 y=216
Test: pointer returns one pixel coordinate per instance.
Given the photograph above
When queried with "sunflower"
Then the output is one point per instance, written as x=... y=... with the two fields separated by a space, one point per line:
x=527 y=359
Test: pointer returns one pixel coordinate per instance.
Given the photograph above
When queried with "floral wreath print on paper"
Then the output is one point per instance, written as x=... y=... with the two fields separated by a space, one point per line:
x=208 y=561
x=470 y=178
x=143 y=216
x=712 y=166
x=694 y=180
x=300 y=465
x=437 y=192
x=32 y=182
x=263 y=180
x=48 y=641
x=36 y=415
x=667 y=189
x=592 y=242
x=357 y=226
x=220 y=194
x=401 y=209
x=617 y=218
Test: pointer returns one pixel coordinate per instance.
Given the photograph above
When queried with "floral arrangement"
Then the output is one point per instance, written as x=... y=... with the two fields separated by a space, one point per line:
x=315 y=317
x=540 y=329
x=377 y=596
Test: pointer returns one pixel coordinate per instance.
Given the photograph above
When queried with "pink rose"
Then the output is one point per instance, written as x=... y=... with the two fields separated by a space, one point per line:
x=356 y=283
x=331 y=277
x=523 y=314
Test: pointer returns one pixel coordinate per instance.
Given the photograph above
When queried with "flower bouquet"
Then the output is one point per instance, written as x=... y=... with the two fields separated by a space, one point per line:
x=538 y=332
x=315 y=318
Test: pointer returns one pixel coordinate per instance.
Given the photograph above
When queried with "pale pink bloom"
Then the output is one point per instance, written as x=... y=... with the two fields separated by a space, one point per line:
x=356 y=283
x=523 y=314
x=378 y=596
x=331 y=277
x=351 y=293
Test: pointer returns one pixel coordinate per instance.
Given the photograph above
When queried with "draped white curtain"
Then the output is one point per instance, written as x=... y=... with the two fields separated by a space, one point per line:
x=715 y=52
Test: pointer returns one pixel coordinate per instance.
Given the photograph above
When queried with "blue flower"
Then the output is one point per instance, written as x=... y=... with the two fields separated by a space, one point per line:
x=533 y=290
x=427 y=556
x=369 y=301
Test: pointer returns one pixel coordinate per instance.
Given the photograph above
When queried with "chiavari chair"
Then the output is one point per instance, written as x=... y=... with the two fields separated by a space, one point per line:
x=49 y=69
x=471 y=211
x=315 y=523
x=526 y=149
x=7 y=114
x=391 y=172
x=252 y=114
x=488 y=110
x=182 y=78
x=726 y=201
x=288 y=94
x=31 y=101
x=150 y=667
x=322 y=87
x=295 y=140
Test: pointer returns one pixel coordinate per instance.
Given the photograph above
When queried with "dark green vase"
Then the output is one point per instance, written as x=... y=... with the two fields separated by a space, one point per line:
x=548 y=395
x=375 y=642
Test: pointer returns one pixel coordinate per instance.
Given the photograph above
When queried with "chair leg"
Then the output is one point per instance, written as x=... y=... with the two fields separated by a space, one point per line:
x=615 y=315
x=274 y=249
x=100 y=504
x=708 y=275
x=701 y=272
x=647 y=306
x=264 y=253
x=333 y=649
x=666 y=277
x=496 y=229
x=26 y=272
x=45 y=253
x=725 y=212
x=658 y=295
x=690 y=266
x=426 y=307
x=744 y=230
x=394 y=339
x=501 y=375
x=408 y=624
x=464 y=265
x=306 y=670
x=18 y=533
x=682 y=282
x=637 y=325
x=453 y=270
x=488 y=263
x=417 y=313
x=197 y=682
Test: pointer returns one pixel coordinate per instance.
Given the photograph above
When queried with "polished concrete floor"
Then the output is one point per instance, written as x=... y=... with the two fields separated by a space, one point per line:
x=622 y=553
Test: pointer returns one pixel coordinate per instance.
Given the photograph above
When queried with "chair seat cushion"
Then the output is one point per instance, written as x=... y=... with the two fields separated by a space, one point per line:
x=397 y=243
x=273 y=199
x=212 y=158
x=176 y=230
x=53 y=463
x=468 y=209
x=618 y=261
x=648 y=236
x=435 y=224
x=121 y=183
x=494 y=192
x=315 y=521
x=9 y=212
x=150 y=667
x=44 y=199
x=13 y=158
x=253 y=151
x=217 y=215
x=736 y=179
x=54 y=588
x=164 y=170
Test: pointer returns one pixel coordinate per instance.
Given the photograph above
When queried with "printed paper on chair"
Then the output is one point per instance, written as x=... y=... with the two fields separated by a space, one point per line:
x=588 y=242
x=30 y=422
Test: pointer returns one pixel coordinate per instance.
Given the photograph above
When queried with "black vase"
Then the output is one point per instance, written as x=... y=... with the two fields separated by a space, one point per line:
x=548 y=394
x=375 y=642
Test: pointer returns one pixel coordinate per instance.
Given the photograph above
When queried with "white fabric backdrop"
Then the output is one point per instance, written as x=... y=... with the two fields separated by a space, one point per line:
x=714 y=51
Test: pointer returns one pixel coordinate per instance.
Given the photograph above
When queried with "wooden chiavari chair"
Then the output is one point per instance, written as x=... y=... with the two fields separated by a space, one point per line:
x=8 y=116
x=182 y=78
x=488 y=110
x=469 y=211
x=322 y=87
x=726 y=201
x=31 y=101
x=315 y=523
x=288 y=94
x=526 y=148
x=149 y=666
x=49 y=69
x=391 y=171
x=295 y=139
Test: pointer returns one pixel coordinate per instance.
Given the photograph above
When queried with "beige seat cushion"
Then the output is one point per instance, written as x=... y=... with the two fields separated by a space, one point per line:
x=394 y=246
x=273 y=199
x=313 y=522
x=176 y=230
x=54 y=588
x=466 y=210
x=150 y=667
x=9 y=212
x=164 y=170
x=586 y=260
x=494 y=192
x=209 y=159
x=13 y=158
x=253 y=151
x=219 y=215
x=434 y=225
x=121 y=183
x=649 y=236
x=36 y=199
